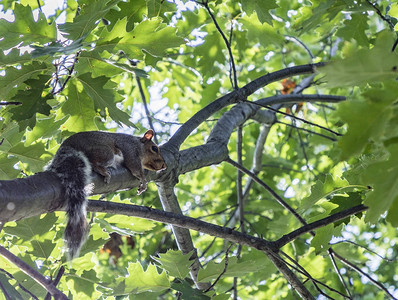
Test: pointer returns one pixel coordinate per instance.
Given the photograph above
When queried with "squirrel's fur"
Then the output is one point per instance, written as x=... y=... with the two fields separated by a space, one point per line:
x=74 y=170
x=97 y=151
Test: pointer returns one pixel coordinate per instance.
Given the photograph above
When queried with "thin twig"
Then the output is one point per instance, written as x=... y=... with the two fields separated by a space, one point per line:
x=217 y=213
x=212 y=242
x=304 y=272
x=69 y=76
x=10 y=103
x=296 y=118
x=337 y=270
x=56 y=280
x=378 y=12
x=359 y=270
x=303 y=150
x=307 y=130
x=367 y=249
x=3 y=289
x=223 y=272
x=271 y=191
x=228 y=45
x=287 y=238
x=300 y=43
x=147 y=112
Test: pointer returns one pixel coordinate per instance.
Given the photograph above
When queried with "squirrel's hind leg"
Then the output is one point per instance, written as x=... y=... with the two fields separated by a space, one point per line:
x=102 y=158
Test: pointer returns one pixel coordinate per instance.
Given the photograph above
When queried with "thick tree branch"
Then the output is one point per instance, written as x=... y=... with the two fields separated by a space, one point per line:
x=181 y=221
x=42 y=192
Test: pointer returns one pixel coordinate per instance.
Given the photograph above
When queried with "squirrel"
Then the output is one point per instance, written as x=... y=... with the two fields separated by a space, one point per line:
x=84 y=152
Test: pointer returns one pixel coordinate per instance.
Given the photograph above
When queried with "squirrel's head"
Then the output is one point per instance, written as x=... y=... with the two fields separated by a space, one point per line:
x=152 y=158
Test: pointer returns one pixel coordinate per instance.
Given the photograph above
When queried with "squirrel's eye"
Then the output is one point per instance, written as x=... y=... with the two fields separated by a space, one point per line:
x=155 y=149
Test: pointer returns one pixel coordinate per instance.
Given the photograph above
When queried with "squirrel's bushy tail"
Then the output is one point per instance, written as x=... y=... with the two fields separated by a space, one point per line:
x=74 y=170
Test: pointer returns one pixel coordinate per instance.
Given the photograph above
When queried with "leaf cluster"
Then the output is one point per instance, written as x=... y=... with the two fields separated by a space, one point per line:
x=90 y=64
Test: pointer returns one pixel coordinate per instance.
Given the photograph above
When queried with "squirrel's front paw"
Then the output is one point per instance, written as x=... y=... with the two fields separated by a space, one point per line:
x=142 y=188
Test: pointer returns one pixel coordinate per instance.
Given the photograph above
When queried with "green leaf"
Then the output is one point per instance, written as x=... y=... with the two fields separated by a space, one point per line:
x=175 y=263
x=15 y=77
x=86 y=21
x=100 y=66
x=30 y=154
x=26 y=229
x=9 y=289
x=7 y=170
x=32 y=100
x=383 y=177
x=352 y=199
x=324 y=188
x=324 y=12
x=366 y=119
x=10 y=136
x=393 y=213
x=58 y=49
x=135 y=11
x=265 y=34
x=321 y=240
x=188 y=292
x=25 y=30
x=149 y=36
x=14 y=57
x=104 y=98
x=262 y=9
x=80 y=109
x=160 y=8
x=139 y=281
x=96 y=240
x=45 y=128
x=236 y=268
x=365 y=65
x=82 y=287
x=42 y=248
x=212 y=50
x=135 y=225
x=355 y=28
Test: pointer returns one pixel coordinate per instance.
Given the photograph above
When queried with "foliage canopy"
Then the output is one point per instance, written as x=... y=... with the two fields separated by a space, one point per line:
x=128 y=65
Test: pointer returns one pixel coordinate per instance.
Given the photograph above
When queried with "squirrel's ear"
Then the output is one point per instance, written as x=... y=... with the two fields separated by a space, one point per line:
x=148 y=135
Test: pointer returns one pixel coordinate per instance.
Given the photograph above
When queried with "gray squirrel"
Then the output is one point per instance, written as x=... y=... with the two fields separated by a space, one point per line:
x=84 y=152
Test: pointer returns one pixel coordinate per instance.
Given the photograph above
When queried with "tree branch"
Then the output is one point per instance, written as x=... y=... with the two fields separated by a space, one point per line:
x=35 y=275
x=147 y=112
x=181 y=221
x=282 y=202
x=233 y=97
x=211 y=229
x=287 y=238
x=227 y=44
x=182 y=235
x=358 y=270
x=56 y=280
